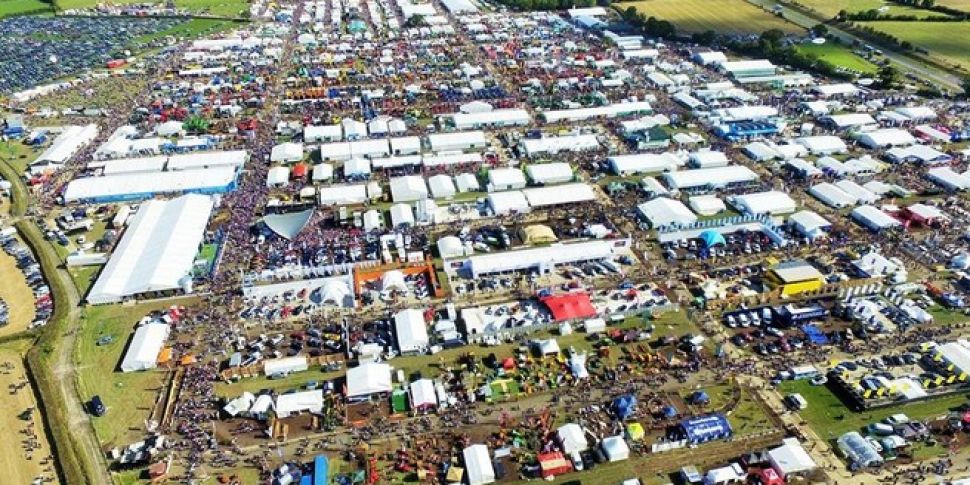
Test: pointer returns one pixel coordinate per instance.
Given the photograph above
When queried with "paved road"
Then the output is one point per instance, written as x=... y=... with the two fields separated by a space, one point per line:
x=906 y=63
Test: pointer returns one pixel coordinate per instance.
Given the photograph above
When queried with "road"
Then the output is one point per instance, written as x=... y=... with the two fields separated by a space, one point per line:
x=904 y=62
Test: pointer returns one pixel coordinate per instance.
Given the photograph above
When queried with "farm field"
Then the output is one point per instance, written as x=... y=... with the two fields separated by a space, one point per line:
x=17 y=7
x=18 y=296
x=950 y=41
x=15 y=417
x=190 y=29
x=840 y=56
x=963 y=5
x=129 y=397
x=228 y=8
x=832 y=7
x=721 y=16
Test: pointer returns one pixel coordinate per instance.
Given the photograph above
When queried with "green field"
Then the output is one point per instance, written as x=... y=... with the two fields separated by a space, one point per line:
x=721 y=16
x=17 y=7
x=186 y=30
x=963 y=5
x=223 y=8
x=829 y=417
x=949 y=41
x=839 y=56
x=832 y=7
x=129 y=397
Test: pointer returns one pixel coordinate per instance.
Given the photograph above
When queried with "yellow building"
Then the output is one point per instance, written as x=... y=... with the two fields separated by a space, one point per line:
x=794 y=277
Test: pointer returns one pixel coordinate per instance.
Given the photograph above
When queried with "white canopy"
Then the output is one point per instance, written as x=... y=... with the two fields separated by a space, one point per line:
x=367 y=379
x=478 y=466
x=145 y=345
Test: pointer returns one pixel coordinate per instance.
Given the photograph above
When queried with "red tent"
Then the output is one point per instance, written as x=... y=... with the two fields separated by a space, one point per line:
x=299 y=171
x=508 y=363
x=552 y=464
x=769 y=476
x=569 y=306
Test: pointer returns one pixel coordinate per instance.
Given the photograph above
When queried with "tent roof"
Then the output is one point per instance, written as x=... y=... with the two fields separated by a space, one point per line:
x=569 y=306
x=367 y=379
x=288 y=225
x=712 y=238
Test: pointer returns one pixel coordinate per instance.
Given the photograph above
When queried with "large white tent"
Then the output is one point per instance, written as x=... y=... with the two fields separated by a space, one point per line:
x=298 y=402
x=367 y=379
x=411 y=331
x=145 y=346
x=423 y=394
x=572 y=438
x=478 y=466
x=662 y=211
x=157 y=251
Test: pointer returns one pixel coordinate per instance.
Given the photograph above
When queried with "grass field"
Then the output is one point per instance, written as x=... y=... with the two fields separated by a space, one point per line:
x=950 y=41
x=829 y=417
x=963 y=5
x=225 y=8
x=13 y=458
x=721 y=16
x=840 y=56
x=83 y=277
x=129 y=397
x=18 y=296
x=190 y=29
x=9 y=8
x=832 y=7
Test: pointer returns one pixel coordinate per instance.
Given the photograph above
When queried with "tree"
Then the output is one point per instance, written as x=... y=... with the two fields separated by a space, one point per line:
x=820 y=30
x=965 y=84
x=771 y=39
x=888 y=76
x=927 y=4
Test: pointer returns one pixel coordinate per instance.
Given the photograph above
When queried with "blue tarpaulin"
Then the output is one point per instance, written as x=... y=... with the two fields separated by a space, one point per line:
x=706 y=428
x=624 y=405
x=815 y=335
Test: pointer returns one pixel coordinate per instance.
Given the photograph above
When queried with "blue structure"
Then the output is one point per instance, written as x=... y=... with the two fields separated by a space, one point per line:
x=624 y=406
x=702 y=429
x=700 y=397
x=814 y=335
x=670 y=412
x=712 y=238
x=745 y=129
x=321 y=470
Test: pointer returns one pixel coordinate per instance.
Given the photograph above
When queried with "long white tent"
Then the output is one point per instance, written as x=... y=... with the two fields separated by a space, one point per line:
x=135 y=186
x=156 y=251
x=145 y=346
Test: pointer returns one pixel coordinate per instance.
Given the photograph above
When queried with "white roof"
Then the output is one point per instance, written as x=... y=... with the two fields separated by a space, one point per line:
x=734 y=66
x=69 y=142
x=946 y=177
x=791 y=458
x=957 y=354
x=467 y=182
x=706 y=204
x=861 y=194
x=287 y=152
x=645 y=163
x=708 y=158
x=450 y=247
x=408 y=188
x=139 y=185
x=405 y=145
x=411 y=330
x=615 y=448
x=508 y=202
x=572 y=438
x=557 y=144
x=836 y=89
x=145 y=345
x=608 y=111
x=887 y=137
x=282 y=365
x=559 y=194
x=849 y=120
x=320 y=133
x=742 y=113
x=502 y=177
x=771 y=202
x=356 y=166
x=298 y=402
x=874 y=218
x=500 y=117
x=478 y=465
x=808 y=221
x=156 y=251
x=456 y=141
x=450 y=158
x=715 y=177
x=662 y=212
x=917 y=113
x=402 y=214
x=322 y=171
x=184 y=161
x=550 y=173
x=367 y=379
x=832 y=195
x=552 y=255
x=343 y=194
x=423 y=393
x=441 y=186
x=823 y=144
x=277 y=176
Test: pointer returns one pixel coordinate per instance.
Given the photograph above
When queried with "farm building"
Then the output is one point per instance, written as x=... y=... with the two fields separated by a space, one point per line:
x=157 y=251
x=505 y=179
x=138 y=186
x=886 y=138
x=873 y=218
x=662 y=212
x=809 y=224
x=459 y=141
x=771 y=202
x=638 y=163
x=367 y=380
x=832 y=196
x=478 y=465
x=293 y=403
x=411 y=331
x=408 y=188
x=549 y=173
x=146 y=344
x=543 y=259
x=710 y=178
